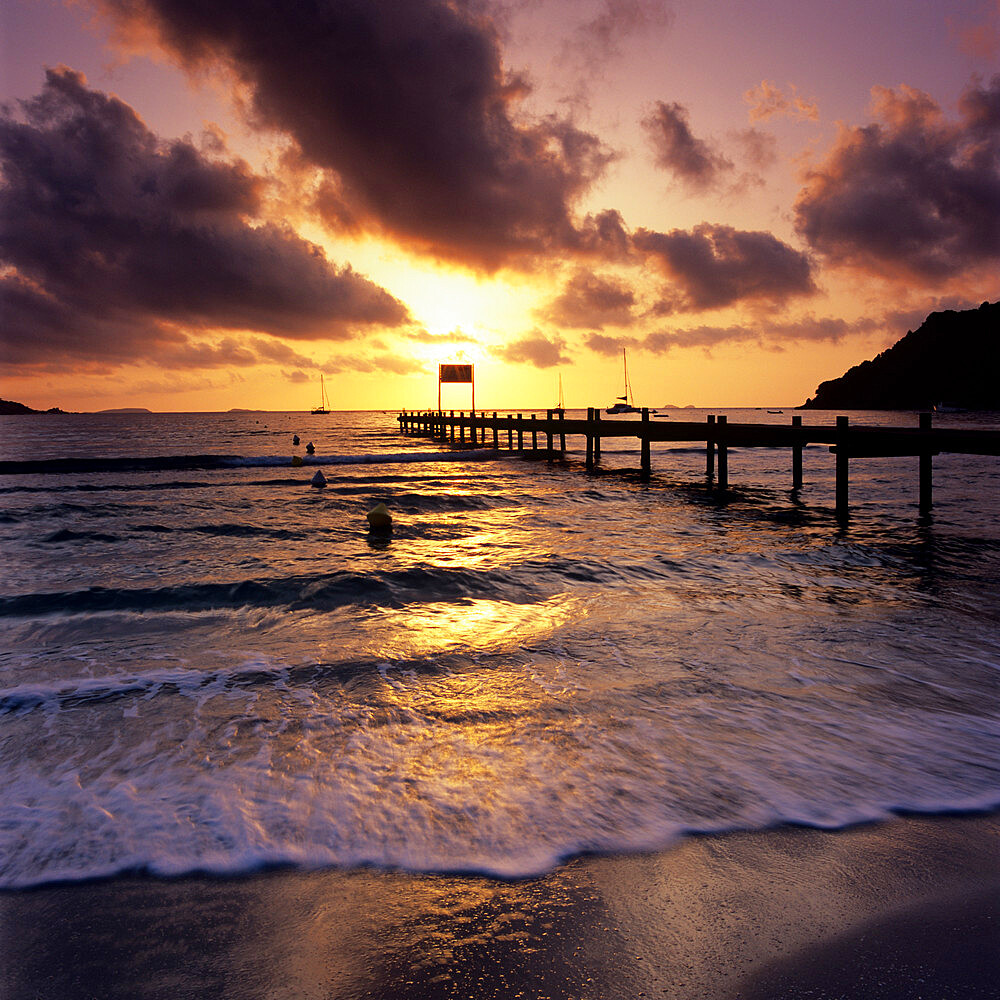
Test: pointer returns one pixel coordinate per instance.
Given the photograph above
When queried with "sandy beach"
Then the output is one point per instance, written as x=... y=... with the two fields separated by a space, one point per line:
x=908 y=908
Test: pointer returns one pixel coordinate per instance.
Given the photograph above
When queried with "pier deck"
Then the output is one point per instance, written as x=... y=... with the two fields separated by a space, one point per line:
x=538 y=436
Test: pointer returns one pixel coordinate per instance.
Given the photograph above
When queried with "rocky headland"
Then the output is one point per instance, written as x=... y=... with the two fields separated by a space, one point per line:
x=953 y=358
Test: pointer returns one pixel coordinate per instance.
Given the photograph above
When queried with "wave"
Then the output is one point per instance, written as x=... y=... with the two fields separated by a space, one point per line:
x=166 y=463
x=318 y=591
x=180 y=680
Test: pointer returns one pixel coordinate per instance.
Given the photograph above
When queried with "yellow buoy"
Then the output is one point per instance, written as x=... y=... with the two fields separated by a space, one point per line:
x=379 y=518
x=296 y=460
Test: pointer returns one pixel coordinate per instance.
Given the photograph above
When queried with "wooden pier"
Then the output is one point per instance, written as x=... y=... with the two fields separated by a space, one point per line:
x=537 y=437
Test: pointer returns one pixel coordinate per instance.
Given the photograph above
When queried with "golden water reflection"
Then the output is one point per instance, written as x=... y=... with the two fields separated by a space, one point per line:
x=469 y=625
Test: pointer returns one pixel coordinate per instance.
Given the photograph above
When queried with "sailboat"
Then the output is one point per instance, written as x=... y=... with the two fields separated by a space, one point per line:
x=624 y=404
x=561 y=405
x=324 y=403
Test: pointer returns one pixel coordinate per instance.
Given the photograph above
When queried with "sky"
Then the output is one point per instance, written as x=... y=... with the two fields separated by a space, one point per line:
x=206 y=206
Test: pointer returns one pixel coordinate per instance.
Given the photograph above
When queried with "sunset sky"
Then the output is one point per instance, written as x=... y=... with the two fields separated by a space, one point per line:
x=207 y=203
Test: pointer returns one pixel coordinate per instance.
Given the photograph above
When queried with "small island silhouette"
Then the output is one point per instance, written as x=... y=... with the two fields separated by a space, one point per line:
x=10 y=408
x=952 y=360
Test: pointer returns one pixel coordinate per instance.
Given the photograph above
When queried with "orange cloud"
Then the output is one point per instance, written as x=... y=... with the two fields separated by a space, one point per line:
x=767 y=101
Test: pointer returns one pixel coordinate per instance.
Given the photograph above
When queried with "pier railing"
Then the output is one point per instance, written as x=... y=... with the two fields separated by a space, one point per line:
x=545 y=437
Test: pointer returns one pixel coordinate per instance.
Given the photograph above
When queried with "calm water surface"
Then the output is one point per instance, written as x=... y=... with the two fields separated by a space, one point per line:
x=209 y=665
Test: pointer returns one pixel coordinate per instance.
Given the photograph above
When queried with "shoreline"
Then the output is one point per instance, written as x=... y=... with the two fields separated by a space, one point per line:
x=905 y=907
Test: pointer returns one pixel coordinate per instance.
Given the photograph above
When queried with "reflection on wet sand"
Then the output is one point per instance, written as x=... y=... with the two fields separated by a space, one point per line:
x=749 y=915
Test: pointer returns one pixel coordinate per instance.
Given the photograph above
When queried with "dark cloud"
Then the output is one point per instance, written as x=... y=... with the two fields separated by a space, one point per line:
x=601 y=37
x=410 y=109
x=535 y=349
x=610 y=346
x=716 y=266
x=112 y=240
x=590 y=301
x=603 y=235
x=692 y=161
x=760 y=149
x=911 y=195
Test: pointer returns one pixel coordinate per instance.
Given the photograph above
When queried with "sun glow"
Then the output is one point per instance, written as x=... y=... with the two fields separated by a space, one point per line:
x=457 y=306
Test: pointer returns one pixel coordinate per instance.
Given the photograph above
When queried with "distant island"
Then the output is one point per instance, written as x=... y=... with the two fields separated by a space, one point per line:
x=10 y=408
x=127 y=409
x=952 y=359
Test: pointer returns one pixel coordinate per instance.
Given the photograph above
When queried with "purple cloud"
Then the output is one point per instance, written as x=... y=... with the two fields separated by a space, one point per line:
x=714 y=266
x=114 y=240
x=911 y=195
x=591 y=301
x=692 y=161
x=535 y=349
x=408 y=107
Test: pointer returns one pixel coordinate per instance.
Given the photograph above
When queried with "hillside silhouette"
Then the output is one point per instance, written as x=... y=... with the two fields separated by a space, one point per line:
x=952 y=358
x=9 y=408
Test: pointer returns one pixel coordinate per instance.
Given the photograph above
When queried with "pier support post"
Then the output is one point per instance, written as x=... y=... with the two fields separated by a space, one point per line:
x=472 y=428
x=590 y=440
x=548 y=433
x=597 y=436
x=562 y=434
x=534 y=434
x=926 y=487
x=723 y=450
x=496 y=438
x=461 y=430
x=520 y=433
x=843 y=466
x=797 y=458
x=645 y=467
x=710 y=448
x=510 y=433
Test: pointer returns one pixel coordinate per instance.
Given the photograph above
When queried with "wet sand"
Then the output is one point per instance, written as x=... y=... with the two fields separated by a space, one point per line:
x=904 y=909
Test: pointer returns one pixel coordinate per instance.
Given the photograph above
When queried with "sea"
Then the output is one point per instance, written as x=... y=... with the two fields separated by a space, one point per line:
x=210 y=665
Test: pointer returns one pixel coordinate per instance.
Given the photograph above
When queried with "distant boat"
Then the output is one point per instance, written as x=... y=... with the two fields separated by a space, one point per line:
x=949 y=408
x=624 y=404
x=775 y=411
x=324 y=403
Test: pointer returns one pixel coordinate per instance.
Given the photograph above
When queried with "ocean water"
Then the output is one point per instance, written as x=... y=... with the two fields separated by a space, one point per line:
x=208 y=665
